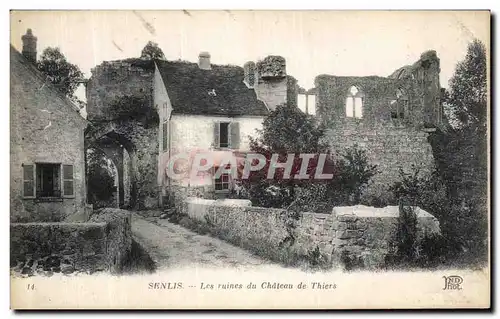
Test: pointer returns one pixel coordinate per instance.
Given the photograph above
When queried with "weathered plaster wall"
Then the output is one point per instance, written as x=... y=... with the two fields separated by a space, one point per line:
x=365 y=233
x=192 y=132
x=44 y=128
x=102 y=244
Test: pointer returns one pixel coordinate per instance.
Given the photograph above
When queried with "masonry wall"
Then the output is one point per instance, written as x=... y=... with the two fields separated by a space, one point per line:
x=120 y=100
x=44 y=248
x=390 y=146
x=390 y=143
x=360 y=232
x=45 y=128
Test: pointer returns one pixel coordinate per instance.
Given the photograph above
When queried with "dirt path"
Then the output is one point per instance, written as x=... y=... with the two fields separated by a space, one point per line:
x=171 y=245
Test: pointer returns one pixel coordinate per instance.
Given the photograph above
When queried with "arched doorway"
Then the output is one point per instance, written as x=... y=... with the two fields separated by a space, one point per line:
x=121 y=152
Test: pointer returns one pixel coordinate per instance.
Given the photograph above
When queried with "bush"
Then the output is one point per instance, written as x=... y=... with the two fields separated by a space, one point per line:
x=463 y=221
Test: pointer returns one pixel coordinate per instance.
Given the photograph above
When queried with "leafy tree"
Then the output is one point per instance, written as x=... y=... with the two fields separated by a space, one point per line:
x=63 y=74
x=101 y=183
x=287 y=130
x=152 y=51
x=355 y=172
x=468 y=88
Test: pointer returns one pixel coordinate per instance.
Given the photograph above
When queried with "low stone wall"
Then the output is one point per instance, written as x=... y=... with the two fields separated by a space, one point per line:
x=102 y=244
x=365 y=233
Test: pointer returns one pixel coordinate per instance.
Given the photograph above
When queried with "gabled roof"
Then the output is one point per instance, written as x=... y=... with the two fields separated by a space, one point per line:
x=218 y=91
x=19 y=65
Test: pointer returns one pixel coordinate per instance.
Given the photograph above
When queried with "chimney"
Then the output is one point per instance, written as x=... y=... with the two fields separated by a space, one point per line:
x=29 y=46
x=204 y=61
x=249 y=69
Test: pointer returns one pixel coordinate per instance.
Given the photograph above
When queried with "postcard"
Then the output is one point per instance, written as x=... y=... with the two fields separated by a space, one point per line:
x=242 y=159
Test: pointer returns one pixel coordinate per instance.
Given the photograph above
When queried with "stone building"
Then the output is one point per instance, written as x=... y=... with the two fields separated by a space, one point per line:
x=143 y=111
x=390 y=117
x=47 y=163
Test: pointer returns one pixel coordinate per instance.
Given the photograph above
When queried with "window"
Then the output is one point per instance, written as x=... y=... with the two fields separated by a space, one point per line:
x=222 y=183
x=224 y=135
x=354 y=103
x=311 y=104
x=43 y=181
x=48 y=180
x=302 y=102
x=227 y=135
x=165 y=135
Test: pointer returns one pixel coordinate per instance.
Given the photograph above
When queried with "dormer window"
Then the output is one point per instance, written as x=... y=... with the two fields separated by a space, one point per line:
x=354 y=103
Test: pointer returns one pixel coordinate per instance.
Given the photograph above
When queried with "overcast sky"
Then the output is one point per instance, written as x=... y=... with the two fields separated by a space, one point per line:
x=313 y=42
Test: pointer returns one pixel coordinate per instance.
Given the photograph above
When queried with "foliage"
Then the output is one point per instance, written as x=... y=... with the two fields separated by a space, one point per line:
x=468 y=87
x=288 y=130
x=152 y=51
x=101 y=183
x=63 y=74
x=273 y=65
x=285 y=131
x=132 y=107
x=355 y=172
x=463 y=220
x=407 y=234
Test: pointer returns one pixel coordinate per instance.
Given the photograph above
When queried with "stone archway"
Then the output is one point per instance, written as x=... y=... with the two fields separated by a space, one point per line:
x=121 y=152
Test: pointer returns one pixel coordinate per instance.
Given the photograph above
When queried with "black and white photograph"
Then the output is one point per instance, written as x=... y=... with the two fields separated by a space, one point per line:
x=246 y=159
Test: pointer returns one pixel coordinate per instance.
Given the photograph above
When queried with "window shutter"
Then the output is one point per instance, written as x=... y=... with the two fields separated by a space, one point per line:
x=68 y=182
x=216 y=134
x=235 y=135
x=29 y=180
x=165 y=135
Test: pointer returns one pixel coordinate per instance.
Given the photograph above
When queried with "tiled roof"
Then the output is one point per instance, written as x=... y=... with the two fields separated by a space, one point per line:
x=218 y=91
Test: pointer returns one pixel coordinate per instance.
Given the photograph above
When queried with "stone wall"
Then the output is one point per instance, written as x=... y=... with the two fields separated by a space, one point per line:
x=419 y=82
x=389 y=146
x=391 y=143
x=120 y=102
x=102 y=244
x=363 y=232
x=45 y=127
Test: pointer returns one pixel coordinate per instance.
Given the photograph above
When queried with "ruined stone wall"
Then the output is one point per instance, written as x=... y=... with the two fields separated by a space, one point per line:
x=390 y=146
x=121 y=93
x=419 y=82
x=391 y=143
x=364 y=233
x=45 y=248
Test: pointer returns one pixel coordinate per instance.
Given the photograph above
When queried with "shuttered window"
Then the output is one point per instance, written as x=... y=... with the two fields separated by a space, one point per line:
x=227 y=135
x=29 y=180
x=68 y=181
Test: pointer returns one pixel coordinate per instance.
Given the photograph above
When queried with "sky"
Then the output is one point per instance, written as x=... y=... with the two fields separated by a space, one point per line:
x=348 y=43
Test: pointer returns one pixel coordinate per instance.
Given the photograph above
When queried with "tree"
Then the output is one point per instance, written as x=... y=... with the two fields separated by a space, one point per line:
x=101 y=182
x=152 y=51
x=63 y=74
x=468 y=87
x=287 y=130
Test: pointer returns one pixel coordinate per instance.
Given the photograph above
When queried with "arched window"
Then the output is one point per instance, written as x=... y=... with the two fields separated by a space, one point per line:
x=354 y=103
x=399 y=107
